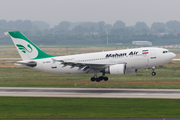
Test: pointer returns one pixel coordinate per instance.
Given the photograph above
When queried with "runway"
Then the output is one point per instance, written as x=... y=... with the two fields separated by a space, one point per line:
x=90 y=92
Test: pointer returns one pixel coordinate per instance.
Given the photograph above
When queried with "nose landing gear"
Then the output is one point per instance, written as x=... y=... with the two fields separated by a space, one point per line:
x=153 y=73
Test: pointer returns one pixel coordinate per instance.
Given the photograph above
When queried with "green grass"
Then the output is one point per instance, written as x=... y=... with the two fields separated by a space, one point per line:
x=25 y=77
x=26 y=107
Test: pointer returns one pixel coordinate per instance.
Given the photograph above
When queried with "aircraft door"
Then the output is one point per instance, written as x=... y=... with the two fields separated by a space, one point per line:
x=152 y=57
x=152 y=54
x=53 y=66
x=147 y=62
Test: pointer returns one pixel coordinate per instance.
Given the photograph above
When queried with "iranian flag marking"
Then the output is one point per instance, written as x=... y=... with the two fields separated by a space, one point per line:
x=145 y=52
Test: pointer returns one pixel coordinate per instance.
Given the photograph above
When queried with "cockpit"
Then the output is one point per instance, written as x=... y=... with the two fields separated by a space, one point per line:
x=166 y=51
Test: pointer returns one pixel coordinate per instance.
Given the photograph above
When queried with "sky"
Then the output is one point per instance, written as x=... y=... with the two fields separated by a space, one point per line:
x=109 y=11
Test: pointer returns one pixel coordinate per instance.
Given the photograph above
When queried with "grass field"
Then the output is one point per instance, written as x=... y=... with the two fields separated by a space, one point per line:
x=26 y=108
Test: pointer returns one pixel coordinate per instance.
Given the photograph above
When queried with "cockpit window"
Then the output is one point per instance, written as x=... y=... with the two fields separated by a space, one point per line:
x=166 y=51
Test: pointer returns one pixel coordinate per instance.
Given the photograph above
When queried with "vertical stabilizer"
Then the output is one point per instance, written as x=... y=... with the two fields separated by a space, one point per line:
x=26 y=48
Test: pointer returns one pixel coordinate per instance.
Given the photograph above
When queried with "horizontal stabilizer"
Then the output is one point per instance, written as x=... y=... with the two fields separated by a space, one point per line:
x=28 y=64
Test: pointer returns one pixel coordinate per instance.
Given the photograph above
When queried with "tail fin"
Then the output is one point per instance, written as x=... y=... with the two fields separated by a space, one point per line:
x=26 y=48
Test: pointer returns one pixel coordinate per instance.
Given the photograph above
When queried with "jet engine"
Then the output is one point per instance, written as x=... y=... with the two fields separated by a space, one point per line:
x=116 y=69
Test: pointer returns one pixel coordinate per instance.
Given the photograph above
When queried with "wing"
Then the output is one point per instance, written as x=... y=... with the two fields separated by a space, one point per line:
x=86 y=67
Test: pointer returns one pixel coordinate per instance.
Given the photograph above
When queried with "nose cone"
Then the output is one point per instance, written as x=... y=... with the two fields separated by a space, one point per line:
x=173 y=55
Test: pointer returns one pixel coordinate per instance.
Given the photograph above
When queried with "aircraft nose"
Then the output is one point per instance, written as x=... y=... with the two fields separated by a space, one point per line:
x=173 y=55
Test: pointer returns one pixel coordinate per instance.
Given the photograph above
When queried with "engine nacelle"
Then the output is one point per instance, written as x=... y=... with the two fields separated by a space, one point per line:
x=119 y=69
x=129 y=71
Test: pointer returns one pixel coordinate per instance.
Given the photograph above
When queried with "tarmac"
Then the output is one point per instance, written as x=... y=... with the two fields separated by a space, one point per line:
x=90 y=92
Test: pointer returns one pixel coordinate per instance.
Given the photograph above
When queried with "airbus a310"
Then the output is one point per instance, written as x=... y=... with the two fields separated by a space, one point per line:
x=117 y=62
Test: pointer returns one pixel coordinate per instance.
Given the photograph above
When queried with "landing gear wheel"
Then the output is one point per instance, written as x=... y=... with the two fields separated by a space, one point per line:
x=93 y=79
x=153 y=73
x=105 y=78
x=98 y=80
x=101 y=78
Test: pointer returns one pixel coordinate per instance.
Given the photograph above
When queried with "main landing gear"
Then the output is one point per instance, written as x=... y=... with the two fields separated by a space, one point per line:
x=153 y=73
x=98 y=79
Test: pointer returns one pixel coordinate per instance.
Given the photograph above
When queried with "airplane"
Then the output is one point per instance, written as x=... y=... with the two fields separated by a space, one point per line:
x=117 y=62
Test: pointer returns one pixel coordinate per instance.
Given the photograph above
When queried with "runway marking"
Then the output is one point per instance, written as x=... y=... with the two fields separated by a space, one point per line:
x=90 y=92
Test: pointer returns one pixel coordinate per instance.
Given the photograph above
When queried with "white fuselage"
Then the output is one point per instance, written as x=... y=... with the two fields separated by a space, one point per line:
x=133 y=58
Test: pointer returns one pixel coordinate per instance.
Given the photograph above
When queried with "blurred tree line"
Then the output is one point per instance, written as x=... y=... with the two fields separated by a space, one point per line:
x=92 y=33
